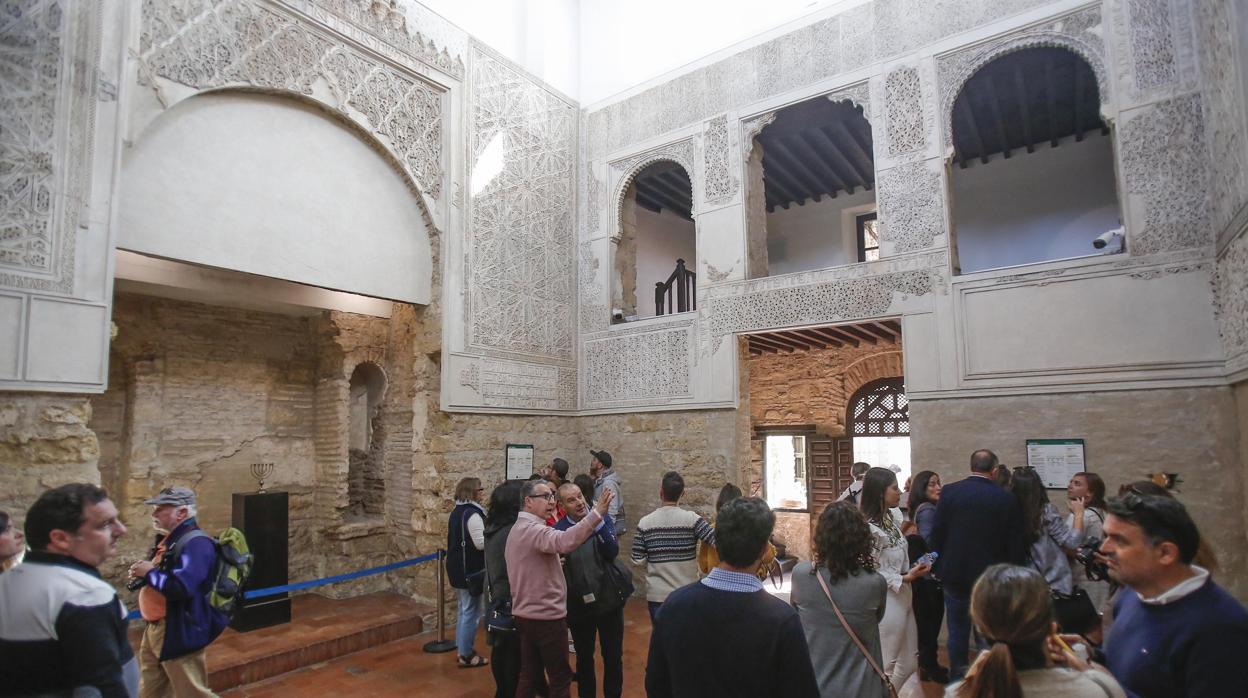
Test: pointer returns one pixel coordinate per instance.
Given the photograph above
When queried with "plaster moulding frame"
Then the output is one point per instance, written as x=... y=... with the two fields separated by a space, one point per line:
x=370 y=86
x=683 y=152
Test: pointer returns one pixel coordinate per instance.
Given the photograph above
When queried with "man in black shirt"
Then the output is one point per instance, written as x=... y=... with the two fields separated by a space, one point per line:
x=724 y=635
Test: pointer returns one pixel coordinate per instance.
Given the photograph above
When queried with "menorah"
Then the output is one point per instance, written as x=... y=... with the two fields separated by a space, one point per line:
x=261 y=471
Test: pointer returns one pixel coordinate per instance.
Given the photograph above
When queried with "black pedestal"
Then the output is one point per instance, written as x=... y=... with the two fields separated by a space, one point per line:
x=264 y=519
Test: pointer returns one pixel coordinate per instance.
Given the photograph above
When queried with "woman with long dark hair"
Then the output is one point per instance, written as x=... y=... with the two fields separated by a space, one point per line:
x=1045 y=536
x=1011 y=611
x=843 y=559
x=708 y=556
x=929 y=597
x=12 y=543
x=505 y=654
x=898 y=633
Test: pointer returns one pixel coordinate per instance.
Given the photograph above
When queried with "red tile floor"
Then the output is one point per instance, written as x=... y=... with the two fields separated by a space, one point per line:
x=401 y=668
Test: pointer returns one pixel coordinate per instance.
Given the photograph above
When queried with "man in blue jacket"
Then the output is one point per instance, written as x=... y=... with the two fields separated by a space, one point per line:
x=977 y=524
x=174 y=600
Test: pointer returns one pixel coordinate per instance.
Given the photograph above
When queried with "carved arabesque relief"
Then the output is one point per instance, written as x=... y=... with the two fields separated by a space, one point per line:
x=1164 y=165
x=1228 y=152
x=519 y=385
x=48 y=86
x=681 y=152
x=904 y=126
x=1231 y=300
x=228 y=43
x=644 y=368
x=521 y=236
x=386 y=20
x=911 y=204
x=720 y=185
x=593 y=312
x=1079 y=32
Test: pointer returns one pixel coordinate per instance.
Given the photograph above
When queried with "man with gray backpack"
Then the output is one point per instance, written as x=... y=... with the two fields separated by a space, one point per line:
x=187 y=592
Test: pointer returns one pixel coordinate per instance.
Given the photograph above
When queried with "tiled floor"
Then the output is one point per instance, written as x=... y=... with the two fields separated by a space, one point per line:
x=401 y=668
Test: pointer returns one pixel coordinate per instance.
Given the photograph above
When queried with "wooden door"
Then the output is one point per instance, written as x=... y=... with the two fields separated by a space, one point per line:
x=829 y=462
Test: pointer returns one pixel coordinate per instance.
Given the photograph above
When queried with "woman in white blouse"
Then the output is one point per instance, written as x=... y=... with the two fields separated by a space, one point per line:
x=898 y=636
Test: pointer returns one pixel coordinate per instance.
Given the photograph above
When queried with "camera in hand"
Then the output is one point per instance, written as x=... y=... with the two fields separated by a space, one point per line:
x=1095 y=569
x=136 y=583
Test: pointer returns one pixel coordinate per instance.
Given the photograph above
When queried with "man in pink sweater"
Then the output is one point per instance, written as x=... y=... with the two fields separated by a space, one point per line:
x=539 y=594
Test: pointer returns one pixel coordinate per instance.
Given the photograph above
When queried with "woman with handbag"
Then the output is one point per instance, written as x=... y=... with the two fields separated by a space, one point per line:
x=840 y=601
x=899 y=641
x=465 y=566
x=1010 y=609
x=1047 y=539
x=1089 y=489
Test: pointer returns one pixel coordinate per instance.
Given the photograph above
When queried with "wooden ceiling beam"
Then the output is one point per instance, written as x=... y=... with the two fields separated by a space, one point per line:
x=646 y=202
x=824 y=341
x=835 y=339
x=838 y=334
x=773 y=169
x=819 y=185
x=893 y=325
x=791 y=340
x=770 y=341
x=666 y=200
x=674 y=192
x=778 y=192
x=994 y=107
x=1051 y=101
x=674 y=182
x=760 y=348
x=1020 y=94
x=969 y=117
x=853 y=330
x=855 y=178
x=865 y=164
x=875 y=330
x=820 y=162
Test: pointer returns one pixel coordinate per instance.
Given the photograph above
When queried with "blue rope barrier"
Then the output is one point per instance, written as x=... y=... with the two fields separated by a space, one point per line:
x=274 y=591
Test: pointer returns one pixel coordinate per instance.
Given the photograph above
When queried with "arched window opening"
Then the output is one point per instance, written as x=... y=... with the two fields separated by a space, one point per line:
x=812 y=190
x=878 y=420
x=366 y=483
x=656 y=255
x=1034 y=176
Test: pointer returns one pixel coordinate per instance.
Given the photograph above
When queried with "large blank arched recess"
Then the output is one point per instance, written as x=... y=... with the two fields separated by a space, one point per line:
x=1032 y=177
x=814 y=167
x=655 y=259
x=274 y=186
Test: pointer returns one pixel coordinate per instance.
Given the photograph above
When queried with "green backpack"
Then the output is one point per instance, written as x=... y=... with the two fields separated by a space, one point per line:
x=230 y=571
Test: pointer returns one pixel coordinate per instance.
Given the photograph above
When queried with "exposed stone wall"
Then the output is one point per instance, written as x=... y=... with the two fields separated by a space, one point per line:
x=813 y=387
x=1128 y=435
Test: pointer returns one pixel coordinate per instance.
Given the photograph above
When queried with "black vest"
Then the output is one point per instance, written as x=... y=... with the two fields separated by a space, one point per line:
x=462 y=557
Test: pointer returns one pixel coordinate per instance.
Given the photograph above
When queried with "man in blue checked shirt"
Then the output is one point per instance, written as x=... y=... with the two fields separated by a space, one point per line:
x=725 y=635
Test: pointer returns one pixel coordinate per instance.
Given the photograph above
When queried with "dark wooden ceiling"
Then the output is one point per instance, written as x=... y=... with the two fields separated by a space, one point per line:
x=791 y=341
x=1023 y=99
x=815 y=149
x=665 y=185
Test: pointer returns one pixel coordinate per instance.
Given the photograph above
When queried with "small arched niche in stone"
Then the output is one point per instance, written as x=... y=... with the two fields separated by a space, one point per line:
x=812 y=189
x=1032 y=172
x=655 y=258
x=366 y=483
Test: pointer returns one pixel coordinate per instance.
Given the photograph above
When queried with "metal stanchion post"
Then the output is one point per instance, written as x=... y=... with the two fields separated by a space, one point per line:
x=441 y=644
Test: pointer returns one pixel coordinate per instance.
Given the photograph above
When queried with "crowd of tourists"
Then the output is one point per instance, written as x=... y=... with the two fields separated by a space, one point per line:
x=1113 y=597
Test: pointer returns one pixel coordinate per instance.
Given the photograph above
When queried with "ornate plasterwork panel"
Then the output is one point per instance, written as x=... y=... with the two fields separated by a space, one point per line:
x=859 y=95
x=904 y=126
x=912 y=205
x=1165 y=166
x=833 y=295
x=720 y=182
x=646 y=368
x=1221 y=105
x=521 y=229
x=1157 y=52
x=47 y=111
x=593 y=311
x=1080 y=32
x=204 y=44
x=1231 y=298
x=514 y=384
x=388 y=22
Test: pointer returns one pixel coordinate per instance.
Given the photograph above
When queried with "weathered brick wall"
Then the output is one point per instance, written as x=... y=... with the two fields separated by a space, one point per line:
x=1128 y=435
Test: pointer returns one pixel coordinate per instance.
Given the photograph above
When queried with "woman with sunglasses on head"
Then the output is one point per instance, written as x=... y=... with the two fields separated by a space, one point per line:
x=1011 y=611
x=878 y=501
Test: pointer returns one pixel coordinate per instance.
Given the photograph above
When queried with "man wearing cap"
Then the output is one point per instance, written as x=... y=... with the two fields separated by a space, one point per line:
x=607 y=479
x=174 y=601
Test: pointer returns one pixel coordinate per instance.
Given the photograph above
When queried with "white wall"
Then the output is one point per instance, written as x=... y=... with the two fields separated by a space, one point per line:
x=541 y=35
x=1034 y=207
x=271 y=186
x=627 y=43
x=662 y=238
x=816 y=235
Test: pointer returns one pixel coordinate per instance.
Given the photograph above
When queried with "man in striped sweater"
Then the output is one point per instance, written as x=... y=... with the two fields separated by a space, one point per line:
x=667 y=542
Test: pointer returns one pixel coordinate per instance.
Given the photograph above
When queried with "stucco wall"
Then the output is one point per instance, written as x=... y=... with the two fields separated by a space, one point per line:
x=1128 y=435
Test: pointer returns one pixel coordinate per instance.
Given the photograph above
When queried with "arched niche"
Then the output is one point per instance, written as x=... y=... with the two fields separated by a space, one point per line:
x=366 y=482
x=1032 y=176
x=655 y=251
x=811 y=188
x=275 y=186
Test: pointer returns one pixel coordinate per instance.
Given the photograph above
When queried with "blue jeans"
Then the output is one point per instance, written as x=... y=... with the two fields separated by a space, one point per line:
x=469 y=617
x=958 y=618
